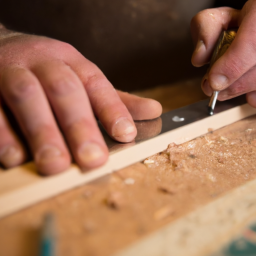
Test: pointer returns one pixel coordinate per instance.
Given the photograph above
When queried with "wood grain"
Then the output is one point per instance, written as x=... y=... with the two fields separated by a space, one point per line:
x=21 y=186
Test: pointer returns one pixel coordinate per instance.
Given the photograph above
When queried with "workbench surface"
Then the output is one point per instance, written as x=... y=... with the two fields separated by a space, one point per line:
x=110 y=214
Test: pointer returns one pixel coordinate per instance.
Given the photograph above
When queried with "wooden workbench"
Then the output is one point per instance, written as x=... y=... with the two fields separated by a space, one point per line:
x=111 y=214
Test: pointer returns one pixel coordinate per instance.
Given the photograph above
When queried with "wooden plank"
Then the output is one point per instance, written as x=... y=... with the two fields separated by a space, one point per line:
x=21 y=186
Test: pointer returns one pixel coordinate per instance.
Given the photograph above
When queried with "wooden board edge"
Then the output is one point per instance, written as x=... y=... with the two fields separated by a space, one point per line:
x=22 y=195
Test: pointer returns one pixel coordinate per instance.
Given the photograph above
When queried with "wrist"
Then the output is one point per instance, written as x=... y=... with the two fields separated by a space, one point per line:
x=6 y=33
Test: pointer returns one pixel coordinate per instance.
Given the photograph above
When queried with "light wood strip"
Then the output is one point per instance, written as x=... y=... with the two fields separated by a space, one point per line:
x=21 y=186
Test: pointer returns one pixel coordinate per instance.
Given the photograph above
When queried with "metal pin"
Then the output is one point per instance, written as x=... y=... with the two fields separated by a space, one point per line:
x=212 y=102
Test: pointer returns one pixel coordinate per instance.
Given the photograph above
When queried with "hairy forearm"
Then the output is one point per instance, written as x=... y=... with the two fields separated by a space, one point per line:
x=6 y=33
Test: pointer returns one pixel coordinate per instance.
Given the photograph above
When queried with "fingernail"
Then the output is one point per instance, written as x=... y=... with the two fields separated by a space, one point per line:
x=206 y=87
x=200 y=46
x=218 y=82
x=251 y=98
x=122 y=128
x=10 y=156
x=90 y=153
x=47 y=154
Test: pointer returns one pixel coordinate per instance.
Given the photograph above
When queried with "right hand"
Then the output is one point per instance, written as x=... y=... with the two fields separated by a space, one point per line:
x=234 y=73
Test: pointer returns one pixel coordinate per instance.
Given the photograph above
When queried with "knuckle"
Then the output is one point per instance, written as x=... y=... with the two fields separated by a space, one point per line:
x=62 y=87
x=38 y=45
x=42 y=133
x=233 y=68
x=194 y=21
x=199 y=17
x=20 y=90
x=55 y=47
x=236 y=89
x=67 y=47
x=248 y=6
x=252 y=42
x=80 y=129
x=76 y=126
x=95 y=81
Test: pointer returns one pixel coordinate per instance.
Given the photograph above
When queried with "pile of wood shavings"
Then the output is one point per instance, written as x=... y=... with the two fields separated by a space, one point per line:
x=216 y=157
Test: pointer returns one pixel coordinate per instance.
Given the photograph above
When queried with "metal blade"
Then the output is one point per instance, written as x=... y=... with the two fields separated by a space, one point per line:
x=171 y=120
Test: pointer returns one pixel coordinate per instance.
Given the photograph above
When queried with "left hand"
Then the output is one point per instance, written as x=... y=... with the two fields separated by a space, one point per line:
x=234 y=73
x=53 y=93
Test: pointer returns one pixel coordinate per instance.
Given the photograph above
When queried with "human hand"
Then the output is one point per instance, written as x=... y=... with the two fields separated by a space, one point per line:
x=54 y=92
x=234 y=73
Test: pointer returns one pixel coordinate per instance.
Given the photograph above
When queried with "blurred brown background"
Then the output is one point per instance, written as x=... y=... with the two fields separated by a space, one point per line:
x=137 y=43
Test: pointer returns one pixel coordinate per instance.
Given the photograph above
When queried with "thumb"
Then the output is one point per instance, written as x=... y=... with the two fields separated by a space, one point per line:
x=239 y=58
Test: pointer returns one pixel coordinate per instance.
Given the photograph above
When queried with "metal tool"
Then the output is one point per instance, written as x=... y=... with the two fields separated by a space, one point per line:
x=225 y=40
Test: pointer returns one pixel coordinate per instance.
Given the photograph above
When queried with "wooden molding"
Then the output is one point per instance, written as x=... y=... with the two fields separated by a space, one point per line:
x=21 y=186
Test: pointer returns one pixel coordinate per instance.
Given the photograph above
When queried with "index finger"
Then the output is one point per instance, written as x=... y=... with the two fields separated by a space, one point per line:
x=104 y=100
x=206 y=27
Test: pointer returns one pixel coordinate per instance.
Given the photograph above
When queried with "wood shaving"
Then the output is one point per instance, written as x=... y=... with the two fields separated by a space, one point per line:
x=166 y=190
x=209 y=142
x=114 y=200
x=211 y=177
x=163 y=213
x=129 y=181
x=90 y=226
x=149 y=161
x=248 y=130
x=87 y=194
x=224 y=139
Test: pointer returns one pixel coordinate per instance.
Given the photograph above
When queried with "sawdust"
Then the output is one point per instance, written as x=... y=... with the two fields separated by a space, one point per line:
x=163 y=212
